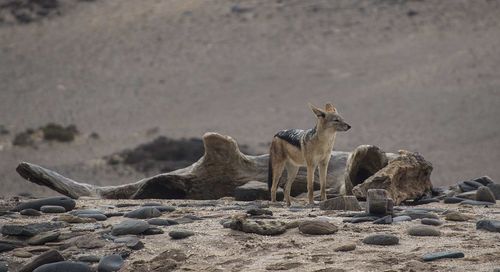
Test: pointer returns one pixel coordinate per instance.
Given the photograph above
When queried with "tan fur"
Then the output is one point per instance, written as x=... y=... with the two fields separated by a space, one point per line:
x=314 y=152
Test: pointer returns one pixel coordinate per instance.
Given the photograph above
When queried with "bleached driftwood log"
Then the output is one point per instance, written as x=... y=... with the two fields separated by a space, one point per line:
x=221 y=169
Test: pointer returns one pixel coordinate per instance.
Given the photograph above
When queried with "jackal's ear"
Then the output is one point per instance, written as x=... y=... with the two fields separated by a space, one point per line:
x=330 y=108
x=319 y=112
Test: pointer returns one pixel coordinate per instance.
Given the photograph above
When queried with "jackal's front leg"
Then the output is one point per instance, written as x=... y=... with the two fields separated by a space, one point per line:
x=310 y=183
x=323 y=167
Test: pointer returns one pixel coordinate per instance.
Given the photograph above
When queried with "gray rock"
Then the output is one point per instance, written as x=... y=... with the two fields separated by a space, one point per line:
x=5 y=246
x=131 y=242
x=63 y=201
x=468 y=195
x=64 y=266
x=259 y=211
x=86 y=211
x=254 y=190
x=143 y=213
x=484 y=180
x=464 y=187
x=345 y=203
x=89 y=259
x=261 y=227
x=489 y=225
x=114 y=214
x=476 y=203
x=378 y=202
x=381 y=239
x=346 y=247
x=473 y=183
x=52 y=209
x=425 y=200
x=4 y=267
x=153 y=231
x=163 y=208
x=453 y=200
x=151 y=204
x=485 y=194
x=96 y=216
x=423 y=230
x=180 y=234
x=43 y=238
x=457 y=216
x=89 y=242
x=130 y=226
x=162 y=222
x=51 y=256
x=443 y=254
x=30 y=212
x=431 y=222
x=110 y=263
x=30 y=229
x=384 y=220
x=495 y=189
x=361 y=219
x=317 y=227
x=401 y=218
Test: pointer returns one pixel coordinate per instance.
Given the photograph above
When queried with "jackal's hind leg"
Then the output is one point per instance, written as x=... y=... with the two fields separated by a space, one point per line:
x=291 y=174
x=277 y=171
x=310 y=182
x=323 y=167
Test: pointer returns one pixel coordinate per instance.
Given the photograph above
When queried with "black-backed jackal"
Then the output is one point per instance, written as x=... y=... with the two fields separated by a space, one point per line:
x=312 y=148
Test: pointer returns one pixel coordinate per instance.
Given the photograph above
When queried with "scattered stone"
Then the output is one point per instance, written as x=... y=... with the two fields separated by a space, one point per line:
x=22 y=254
x=52 y=209
x=254 y=190
x=476 y=203
x=193 y=217
x=89 y=259
x=468 y=195
x=346 y=247
x=443 y=254
x=431 y=222
x=415 y=214
x=85 y=211
x=110 y=263
x=43 y=238
x=130 y=226
x=284 y=266
x=162 y=222
x=384 y=220
x=378 y=202
x=485 y=194
x=89 y=242
x=361 y=219
x=262 y=227
x=51 y=256
x=423 y=230
x=464 y=187
x=114 y=214
x=489 y=225
x=131 y=242
x=457 y=216
x=30 y=229
x=64 y=266
x=484 y=180
x=317 y=227
x=453 y=200
x=30 y=212
x=425 y=200
x=86 y=227
x=345 y=203
x=401 y=218
x=381 y=239
x=5 y=246
x=63 y=201
x=144 y=213
x=259 y=211
x=495 y=189
x=180 y=234
x=3 y=267
x=96 y=216
x=151 y=204
x=153 y=231
x=164 y=208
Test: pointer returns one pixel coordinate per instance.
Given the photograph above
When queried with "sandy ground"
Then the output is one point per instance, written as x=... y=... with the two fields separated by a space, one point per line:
x=214 y=248
x=416 y=75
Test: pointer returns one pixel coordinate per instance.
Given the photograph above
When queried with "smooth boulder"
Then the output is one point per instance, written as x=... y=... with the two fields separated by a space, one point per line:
x=63 y=201
x=130 y=226
x=143 y=213
x=110 y=263
x=381 y=239
x=441 y=255
x=64 y=266
x=423 y=230
x=485 y=194
x=317 y=227
x=489 y=225
x=51 y=256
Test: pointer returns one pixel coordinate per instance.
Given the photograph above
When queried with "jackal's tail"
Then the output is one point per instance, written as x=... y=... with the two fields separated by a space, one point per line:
x=270 y=173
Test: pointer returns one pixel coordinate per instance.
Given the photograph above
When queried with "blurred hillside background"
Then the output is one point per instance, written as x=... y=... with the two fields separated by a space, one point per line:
x=421 y=75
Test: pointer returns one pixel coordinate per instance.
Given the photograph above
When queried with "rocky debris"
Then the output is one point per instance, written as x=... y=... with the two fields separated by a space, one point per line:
x=378 y=202
x=317 y=227
x=30 y=212
x=255 y=211
x=476 y=203
x=4 y=267
x=144 y=213
x=401 y=218
x=63 y=201
x=153 y=231
x=68 y=218
x=89 y=242
x=22 y=254
x=345 y=203
x=131 y=242
x=52 y=209
x=167 y=260
x=441 y=255
x=471 y=195
x=431 y=222
x=29 y=230
x=384 y=220
x=346 y=247
x=423 y=230
x=86 y=227
x=284 y=266
x=50 y=256
x=89 y=259
x=457 y=216
x=110 y=263
x=405 y=177
x=489 y=225
x=64 y=266
x=163 y=208
x=162 y=222
x=43 y=238
x=96 y=216
x=381 y=239
x=418 y=214
x=255 y=190
x=262 y=227
x=180 y=234
x=485 y=194
x=453 y=200
x=361 y=219
x=362 y=163
x=6 y=246
x=495 y=189
x=130 y=226
x=423 y=200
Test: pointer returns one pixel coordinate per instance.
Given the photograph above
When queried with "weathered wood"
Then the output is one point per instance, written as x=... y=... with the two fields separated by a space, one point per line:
x=378 y=202
x=221 y=169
